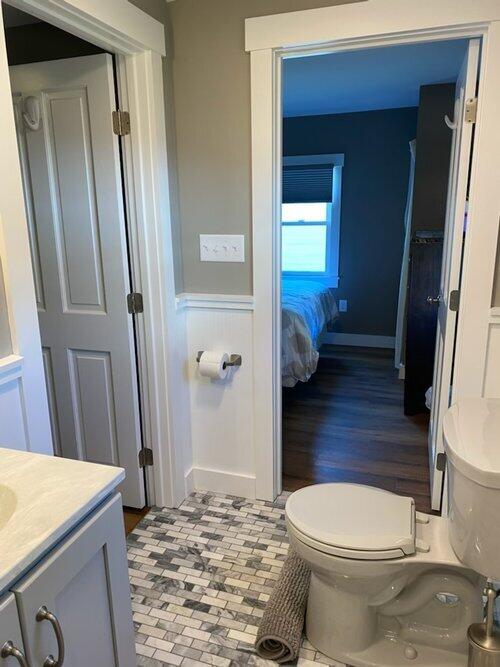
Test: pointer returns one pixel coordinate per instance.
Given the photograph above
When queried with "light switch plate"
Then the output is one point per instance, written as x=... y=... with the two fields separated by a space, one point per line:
x=343 y=305
x=222 y=248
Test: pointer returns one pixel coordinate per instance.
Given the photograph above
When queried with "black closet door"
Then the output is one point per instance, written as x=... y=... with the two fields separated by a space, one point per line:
x=424 y=279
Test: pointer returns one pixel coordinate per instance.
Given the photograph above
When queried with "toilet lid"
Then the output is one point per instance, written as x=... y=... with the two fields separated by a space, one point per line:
x=354 y=518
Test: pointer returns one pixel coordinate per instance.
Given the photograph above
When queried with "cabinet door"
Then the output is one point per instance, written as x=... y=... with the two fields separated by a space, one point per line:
x=10 y=632
x=84 y=583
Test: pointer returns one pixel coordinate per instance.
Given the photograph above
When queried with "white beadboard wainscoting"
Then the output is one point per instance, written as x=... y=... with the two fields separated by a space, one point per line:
x=223 y=456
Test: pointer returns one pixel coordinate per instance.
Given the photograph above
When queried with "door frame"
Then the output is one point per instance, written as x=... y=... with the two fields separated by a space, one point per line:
x=271 y=39
x=139 y=42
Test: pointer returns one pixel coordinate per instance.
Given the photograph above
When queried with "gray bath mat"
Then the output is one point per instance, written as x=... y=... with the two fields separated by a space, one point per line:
x=280 y=631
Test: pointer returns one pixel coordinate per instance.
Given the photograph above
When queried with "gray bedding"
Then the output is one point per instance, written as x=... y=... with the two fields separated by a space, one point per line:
x=307 y=308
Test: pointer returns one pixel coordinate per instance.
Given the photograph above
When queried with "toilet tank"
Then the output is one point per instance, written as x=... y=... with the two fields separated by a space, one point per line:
x=471 y=430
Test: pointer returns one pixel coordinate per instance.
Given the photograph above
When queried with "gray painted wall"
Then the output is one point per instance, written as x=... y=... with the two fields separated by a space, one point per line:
x=211 y=78
x=212 y=108
x=374 y=190
x=5 y=340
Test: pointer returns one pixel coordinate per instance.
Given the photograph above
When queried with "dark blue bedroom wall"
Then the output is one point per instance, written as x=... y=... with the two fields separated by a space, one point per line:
x=374 y=190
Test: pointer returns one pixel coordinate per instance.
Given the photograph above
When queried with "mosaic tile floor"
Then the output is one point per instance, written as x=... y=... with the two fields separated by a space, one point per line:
x=201 y=576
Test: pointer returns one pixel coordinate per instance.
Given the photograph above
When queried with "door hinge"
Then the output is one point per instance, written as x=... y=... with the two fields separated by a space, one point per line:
x=121 y=123
x=454 y=302
x=145 y=457
x=441 y=461
x=134 y=303
x=471 y=110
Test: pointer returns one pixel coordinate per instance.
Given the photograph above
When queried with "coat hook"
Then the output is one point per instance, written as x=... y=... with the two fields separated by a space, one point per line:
x=32 y=113
x=449 y=123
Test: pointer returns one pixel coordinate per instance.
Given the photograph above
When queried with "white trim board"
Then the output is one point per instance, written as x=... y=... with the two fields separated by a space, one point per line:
x=217 y=301
x=219 y=481
x=359 y=340
x=373 y=19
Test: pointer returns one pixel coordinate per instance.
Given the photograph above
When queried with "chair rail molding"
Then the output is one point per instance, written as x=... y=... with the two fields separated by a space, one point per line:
x=218 y=301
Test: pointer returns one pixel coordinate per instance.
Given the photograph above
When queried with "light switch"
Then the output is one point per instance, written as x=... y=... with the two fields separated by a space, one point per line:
x=343 y=305
x=222 y=248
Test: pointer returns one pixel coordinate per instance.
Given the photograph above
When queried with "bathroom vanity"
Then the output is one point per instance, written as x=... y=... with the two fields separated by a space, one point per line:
x=64 y=589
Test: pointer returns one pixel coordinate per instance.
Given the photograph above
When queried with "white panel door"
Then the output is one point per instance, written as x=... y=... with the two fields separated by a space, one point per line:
x=74 y=205
x=452 y=255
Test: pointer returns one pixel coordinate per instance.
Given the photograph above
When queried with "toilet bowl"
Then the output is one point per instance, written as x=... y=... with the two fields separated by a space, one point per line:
x=391 y=586
x=386 y=587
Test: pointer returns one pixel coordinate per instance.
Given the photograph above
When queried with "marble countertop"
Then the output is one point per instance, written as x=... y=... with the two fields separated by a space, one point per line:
x=41 y=499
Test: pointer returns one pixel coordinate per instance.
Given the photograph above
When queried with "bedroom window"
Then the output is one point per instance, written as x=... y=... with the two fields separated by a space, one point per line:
x=310 y=216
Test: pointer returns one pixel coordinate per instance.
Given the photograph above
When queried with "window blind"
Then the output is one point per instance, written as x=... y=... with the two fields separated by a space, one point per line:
x=307 y=183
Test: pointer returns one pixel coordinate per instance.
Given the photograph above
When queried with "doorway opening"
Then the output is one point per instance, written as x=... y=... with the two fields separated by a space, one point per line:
x=64 y=95
x=376 y=148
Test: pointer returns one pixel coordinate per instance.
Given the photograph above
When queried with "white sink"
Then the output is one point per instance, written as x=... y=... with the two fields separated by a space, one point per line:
x=8 y=502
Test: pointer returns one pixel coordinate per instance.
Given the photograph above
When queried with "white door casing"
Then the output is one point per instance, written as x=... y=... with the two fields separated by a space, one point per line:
x=270 y=39
x=72 y=182
x=442 y=393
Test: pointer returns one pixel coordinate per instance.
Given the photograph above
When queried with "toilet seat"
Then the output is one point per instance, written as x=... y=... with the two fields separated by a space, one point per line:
x=353 y=521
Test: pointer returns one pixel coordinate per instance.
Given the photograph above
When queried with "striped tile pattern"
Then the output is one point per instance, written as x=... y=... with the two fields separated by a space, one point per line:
x=201 y=576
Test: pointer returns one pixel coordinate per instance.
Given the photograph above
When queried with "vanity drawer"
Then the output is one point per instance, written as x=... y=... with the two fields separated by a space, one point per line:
x=10 y=633
x=76 y=601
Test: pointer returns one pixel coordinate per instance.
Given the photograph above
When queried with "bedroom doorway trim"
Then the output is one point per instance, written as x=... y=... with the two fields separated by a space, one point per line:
x=139 y=43
x=271 y=39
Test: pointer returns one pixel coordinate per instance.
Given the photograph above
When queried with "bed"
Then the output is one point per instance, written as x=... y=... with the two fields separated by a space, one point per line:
x=307 y=308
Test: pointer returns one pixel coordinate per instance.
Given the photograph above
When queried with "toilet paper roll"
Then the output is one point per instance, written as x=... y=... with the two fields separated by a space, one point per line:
x=214 y=365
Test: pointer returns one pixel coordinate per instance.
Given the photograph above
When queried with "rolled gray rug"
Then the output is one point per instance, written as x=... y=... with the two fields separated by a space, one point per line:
x=280 y=631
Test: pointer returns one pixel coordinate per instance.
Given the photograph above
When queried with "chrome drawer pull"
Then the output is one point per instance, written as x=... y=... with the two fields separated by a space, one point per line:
x=44 y=614
x=8 y=650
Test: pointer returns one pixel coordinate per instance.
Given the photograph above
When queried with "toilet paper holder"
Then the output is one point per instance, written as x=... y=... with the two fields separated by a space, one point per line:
x=234 y=359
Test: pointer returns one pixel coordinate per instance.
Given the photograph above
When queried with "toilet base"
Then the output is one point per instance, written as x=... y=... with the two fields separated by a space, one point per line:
x=391 y=653
x=365 y=634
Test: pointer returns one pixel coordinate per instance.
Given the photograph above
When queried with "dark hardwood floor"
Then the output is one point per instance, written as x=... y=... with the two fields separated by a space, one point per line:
x=347 y=425
x=131 y=517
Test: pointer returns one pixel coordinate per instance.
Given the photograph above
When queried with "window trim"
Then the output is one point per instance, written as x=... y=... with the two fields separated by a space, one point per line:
x=331 y=275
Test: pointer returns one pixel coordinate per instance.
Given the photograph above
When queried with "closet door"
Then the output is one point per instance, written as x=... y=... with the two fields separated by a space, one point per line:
x=84 y=585
x=74 y=203
x=445 y=301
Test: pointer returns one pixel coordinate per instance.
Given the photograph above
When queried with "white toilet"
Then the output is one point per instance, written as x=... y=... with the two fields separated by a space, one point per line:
x=391 y=586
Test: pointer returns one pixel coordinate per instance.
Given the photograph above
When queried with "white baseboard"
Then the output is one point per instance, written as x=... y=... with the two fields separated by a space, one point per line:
x=218 y=481
x=359 y=340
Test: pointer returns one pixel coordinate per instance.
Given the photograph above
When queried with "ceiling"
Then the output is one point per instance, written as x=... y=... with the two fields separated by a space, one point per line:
x=13 y=17
x=364 y=80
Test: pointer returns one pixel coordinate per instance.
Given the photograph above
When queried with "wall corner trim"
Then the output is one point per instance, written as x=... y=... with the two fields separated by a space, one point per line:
x=214 y=301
